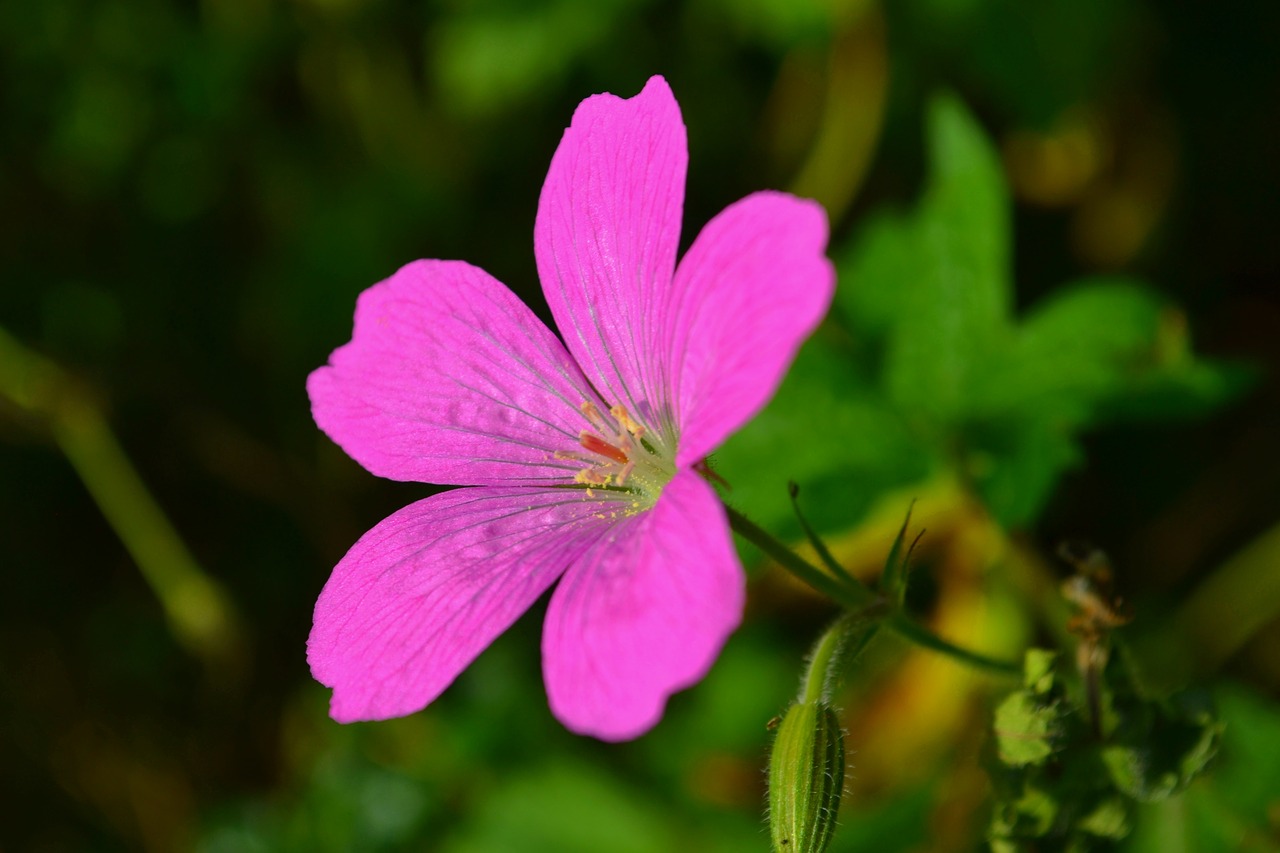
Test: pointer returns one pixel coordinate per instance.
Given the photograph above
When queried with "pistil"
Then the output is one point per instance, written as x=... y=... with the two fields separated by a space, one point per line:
x=616 y=456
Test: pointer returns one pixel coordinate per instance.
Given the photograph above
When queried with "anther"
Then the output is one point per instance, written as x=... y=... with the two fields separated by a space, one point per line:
x=593 y=416
x=591 y=477
x=621 y=416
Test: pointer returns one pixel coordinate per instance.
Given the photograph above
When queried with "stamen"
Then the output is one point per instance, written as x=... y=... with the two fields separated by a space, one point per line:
x=621 y=416
x=593 y=416
x=614 y=456
x=591 y=477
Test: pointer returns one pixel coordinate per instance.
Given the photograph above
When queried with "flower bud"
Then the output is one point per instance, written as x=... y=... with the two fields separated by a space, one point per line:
x=806 y=778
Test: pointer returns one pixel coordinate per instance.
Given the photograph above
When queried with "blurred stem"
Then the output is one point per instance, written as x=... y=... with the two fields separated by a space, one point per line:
x=199 y=612
x=857 y=83
x=908 y=629
x=1233 y=603
x=859 y=599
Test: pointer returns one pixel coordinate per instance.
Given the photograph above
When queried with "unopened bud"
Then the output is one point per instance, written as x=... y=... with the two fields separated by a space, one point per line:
x=806 y=778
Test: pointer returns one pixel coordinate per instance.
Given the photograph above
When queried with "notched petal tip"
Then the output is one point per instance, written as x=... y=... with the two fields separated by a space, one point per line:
x=606 y=235
x=655 y=96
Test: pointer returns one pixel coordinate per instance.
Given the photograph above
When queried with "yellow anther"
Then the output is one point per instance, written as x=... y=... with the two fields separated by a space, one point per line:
x=593 y=416
x=628 y=423
x=591 y=477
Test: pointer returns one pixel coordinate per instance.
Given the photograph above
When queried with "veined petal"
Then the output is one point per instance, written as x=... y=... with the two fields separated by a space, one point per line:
x=751 y=288
x=427 y=589
x=606 y=236
x=642 y=614
x=450 y=378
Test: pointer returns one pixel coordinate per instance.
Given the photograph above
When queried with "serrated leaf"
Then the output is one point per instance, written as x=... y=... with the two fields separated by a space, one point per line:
x=1166 y=761
x=1110 y=819
x=1233 y=809
x=1038 y=670
x=1157 y=747
x=1025 y=729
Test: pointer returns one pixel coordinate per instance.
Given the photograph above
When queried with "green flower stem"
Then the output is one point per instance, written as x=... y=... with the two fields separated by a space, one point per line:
x=858 y=598
x=200 y=614
x=852 y=593
x=818 y=676
x=904 y=627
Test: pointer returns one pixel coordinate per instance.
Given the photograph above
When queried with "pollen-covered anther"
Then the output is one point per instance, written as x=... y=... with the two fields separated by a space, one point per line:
x=593 y=416
x=620 y=415
x=591 y=477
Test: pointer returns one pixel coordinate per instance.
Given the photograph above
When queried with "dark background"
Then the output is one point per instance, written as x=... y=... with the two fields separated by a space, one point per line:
x=193 y=194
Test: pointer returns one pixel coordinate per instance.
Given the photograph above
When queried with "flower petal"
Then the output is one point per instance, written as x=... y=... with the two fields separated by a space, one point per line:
x=427 y=589
x=606 y=236
x=643 y=614
x=450 y=378
x=752 y=287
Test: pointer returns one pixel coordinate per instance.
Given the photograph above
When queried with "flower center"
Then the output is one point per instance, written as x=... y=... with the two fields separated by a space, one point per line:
x=619 y=457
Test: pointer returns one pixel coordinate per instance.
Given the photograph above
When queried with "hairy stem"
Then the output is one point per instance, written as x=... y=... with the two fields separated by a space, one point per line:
x=857 y=597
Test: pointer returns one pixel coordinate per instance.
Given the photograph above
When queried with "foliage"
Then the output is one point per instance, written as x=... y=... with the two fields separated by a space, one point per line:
x=194 y=194
x=944 y=377
x=1066 y=782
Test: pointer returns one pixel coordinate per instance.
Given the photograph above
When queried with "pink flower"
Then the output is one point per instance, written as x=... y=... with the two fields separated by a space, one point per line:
x=579 y=456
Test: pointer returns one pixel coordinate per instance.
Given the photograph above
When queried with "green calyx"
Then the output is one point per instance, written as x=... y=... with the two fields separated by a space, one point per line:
x=806 y=778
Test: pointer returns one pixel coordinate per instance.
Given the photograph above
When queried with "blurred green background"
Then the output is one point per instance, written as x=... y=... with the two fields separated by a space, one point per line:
x=193 y=194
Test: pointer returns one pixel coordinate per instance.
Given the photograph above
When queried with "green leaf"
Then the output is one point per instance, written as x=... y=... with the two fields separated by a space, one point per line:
x=1015 y=463
x=831 y=433
x=1099 y=349
x=957 y=303
x=1081 y=346
x=1233 y=807
x=875 y=274
x=1038 y=670
x=1026 y=730
x=1110 y=819
x=1156 y=746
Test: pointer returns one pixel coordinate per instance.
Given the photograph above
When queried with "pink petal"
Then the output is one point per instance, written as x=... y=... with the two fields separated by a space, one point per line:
x=752 y=287
x=426 y=590
x=643 y=614
x=606 y=235
x=449 y=378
